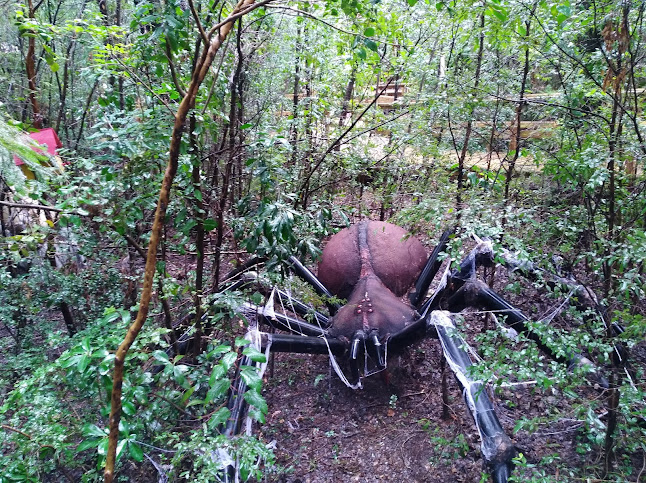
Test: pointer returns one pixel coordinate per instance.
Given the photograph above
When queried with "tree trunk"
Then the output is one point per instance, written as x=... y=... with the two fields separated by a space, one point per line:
x=467 y=134
x=514 y=144
x=200 y=71
x=30 y=63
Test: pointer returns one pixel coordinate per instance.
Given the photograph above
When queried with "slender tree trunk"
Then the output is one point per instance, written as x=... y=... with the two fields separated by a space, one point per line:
x=347 y=97
x=30 y=64
x=188 y=103
x=467 y=134
x=234 y=124
x=514 y=144
x=199 y=213
x=293 y=130
x=88 y=102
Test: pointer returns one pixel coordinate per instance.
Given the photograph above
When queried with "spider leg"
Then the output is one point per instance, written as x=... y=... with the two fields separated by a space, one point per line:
x=237 y=404
x=497 y=448
x=271 y=317
x=429 y=271
x=303 y=272
x=461 y=289
x=303 y=309
x=477 y=293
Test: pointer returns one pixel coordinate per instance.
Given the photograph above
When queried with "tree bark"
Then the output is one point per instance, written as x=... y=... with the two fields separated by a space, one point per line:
x=30 y=64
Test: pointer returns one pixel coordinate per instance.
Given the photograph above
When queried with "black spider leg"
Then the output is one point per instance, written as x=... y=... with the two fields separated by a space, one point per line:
x=429 y=271
x=303 y=272
x=238 y=408
x=497 y=448
x=464 y=290
x=269 y=316
x=302 y=309
x=478 y=293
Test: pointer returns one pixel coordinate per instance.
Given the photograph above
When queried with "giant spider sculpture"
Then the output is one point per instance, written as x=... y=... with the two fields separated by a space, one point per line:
x=384 y=275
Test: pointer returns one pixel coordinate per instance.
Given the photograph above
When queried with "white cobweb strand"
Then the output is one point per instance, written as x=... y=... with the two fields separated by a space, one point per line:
x=269 y=313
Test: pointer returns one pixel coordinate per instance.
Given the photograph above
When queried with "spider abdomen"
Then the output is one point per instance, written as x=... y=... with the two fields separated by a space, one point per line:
x=383 y=249
x=372 y=265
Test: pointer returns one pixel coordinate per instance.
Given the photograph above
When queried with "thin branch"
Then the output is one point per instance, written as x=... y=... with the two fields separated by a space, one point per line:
x=27 y=206
x=9 y=428
x=173 y=72
x=236 y=16
x=148 y=88
x=200 y=27
x=376 y=126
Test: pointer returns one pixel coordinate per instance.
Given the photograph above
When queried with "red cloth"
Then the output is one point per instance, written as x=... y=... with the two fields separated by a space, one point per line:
x=47 y=137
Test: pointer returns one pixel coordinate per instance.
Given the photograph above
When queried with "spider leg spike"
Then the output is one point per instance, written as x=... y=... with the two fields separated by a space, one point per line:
x=358 y=340
x=379 y=349
x=497 y=448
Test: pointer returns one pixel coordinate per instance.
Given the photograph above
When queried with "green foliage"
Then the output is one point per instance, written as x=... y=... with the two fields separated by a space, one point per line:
x=256 y=172
x=52 y=425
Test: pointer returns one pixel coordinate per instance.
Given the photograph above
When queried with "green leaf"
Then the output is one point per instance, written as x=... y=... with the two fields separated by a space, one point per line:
x=412 y=3
x=210 y=224
x=371 y=44
x=135 y=451
x=500 y=14
x=218 y=373
x=219 y=389
x=87 y=444
x=255 y=399
x=120 y=447
x=128 y=408
x=369 y=32
x=102 y=448
x=229 y=359
x=250 y=376
x=93 y=430
x=83 y=363
x=161 y=356
x=254 y=354
x=179 y=372
x=218 y=418
x=246 y=125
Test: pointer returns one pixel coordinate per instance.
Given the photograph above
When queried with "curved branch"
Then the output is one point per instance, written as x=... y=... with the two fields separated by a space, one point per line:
x=303 y=13
x=202 y=66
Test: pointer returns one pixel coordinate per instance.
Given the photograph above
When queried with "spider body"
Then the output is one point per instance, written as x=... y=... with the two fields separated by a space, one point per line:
x=372 y=265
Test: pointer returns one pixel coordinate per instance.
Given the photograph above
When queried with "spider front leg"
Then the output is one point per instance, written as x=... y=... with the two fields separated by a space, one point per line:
x=429 y=271
x=497 y=449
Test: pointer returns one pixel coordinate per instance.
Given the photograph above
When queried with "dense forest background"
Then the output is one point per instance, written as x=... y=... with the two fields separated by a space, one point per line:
x=197 y=135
